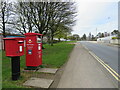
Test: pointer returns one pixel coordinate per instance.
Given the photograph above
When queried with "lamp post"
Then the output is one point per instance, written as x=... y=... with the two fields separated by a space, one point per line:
x=108 y=25
x=96 y=33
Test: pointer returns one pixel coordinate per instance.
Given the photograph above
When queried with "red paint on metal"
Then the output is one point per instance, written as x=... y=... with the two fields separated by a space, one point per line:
x=33 y=49
x=14 y=46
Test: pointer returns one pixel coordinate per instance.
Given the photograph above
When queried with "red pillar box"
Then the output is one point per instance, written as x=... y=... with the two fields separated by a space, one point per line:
x=33 y=50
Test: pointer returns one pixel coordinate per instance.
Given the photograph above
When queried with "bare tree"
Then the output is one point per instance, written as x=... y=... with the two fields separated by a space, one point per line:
x=45 y=17
x=41 y=16
x=5 y=12
x=23 y=22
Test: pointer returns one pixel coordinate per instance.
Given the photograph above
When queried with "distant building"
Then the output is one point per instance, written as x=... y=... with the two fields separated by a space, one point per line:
x=62 y=39
x=90 y=36
x=106 y=39
x=106 y=34
x=99 y=34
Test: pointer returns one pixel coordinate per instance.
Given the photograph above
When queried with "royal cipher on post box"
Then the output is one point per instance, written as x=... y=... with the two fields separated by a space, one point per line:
x=14 y=46
x=33 y=49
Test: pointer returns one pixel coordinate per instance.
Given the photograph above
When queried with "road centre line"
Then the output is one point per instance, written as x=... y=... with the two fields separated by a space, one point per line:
x=111 y=71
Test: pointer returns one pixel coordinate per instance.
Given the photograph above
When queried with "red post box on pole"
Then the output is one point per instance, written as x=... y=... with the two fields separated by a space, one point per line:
x=33 y=50
x=14 y=48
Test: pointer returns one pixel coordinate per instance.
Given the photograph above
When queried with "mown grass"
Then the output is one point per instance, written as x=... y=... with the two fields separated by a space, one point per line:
x=56 y=55
x=53 y=56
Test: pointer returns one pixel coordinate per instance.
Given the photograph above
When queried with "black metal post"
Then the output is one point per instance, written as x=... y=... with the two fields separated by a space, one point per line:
x=15 y=63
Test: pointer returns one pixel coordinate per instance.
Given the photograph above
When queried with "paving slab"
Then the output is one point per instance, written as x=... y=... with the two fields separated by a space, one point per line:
x=38 y=82
x=29 y=70
x=48 y=70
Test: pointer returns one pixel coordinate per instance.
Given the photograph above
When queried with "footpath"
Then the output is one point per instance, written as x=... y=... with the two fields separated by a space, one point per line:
x=83 y=71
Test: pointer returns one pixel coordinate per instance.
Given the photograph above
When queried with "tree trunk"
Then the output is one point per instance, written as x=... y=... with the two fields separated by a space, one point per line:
x=52 y=40
x=48 y=39
x=42 y=42
x=3 y=23
x=59 y=39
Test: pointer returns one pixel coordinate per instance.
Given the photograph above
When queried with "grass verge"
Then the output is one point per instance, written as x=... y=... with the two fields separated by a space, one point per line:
x=53 y=56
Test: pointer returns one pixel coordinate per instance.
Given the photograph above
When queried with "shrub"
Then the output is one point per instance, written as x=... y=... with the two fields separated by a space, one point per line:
x=114 y=37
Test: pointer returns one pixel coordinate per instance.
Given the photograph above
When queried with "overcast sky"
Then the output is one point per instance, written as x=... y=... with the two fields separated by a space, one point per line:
x=96 y=16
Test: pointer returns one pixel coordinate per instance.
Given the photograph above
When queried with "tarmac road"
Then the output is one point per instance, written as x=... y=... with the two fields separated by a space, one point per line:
x=108 y=54
x=83 y=71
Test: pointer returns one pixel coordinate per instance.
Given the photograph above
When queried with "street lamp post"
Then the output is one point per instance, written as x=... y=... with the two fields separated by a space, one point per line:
x=96 y=33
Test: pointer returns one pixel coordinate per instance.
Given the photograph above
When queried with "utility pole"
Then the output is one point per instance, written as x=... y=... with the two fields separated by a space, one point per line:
x=96 y=33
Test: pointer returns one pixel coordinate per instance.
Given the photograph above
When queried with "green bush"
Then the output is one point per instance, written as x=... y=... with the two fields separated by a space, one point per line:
x=114 y=37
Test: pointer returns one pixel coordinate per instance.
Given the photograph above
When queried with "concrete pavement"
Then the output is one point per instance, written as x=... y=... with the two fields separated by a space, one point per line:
x=83 y=71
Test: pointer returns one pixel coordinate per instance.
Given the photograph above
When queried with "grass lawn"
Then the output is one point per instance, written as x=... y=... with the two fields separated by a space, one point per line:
x=53 y=56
